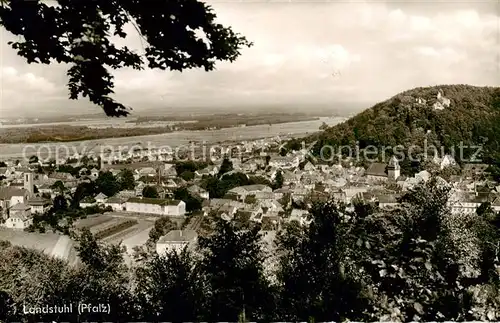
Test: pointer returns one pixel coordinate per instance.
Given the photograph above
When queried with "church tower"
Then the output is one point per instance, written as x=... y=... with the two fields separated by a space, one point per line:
x=28 y=183
x=393 y=169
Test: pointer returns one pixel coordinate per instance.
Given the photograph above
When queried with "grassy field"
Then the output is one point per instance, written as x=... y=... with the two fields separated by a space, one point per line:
x=68 y=133
x=92 y=221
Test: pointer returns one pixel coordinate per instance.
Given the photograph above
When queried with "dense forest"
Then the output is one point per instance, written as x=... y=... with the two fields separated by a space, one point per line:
x=416 y=262
x=409 y=118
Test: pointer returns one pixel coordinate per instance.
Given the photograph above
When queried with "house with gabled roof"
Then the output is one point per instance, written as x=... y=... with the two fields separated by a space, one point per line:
x=176 y=241
x=210 y=170
x=100 y=198
x=309 y=167
x=39 y=205
x=226 y=211
x=116 y=203
x=301 y=216
x=467 y=203
x=10 y=196
x=386 y=200
x=265 y=196
x=495 y=205
x=376 y=171
x=87 y=201
x=284 y=162
x=19 y=217
x=241 y=192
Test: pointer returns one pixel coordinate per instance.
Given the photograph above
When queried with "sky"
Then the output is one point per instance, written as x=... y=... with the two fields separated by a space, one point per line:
x=305 y=53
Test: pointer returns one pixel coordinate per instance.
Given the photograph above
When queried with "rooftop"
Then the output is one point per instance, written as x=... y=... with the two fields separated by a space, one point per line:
x=20 y=207
x=154 y=201
x=38 y=201
x=116 y=199
x=6 y=193
x=101 y=196
x=176 y=236
x=256 y=187
x=377 y=169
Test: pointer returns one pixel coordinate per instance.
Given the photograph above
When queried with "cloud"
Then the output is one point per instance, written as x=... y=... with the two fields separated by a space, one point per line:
x=10 y=78
x=378 y=49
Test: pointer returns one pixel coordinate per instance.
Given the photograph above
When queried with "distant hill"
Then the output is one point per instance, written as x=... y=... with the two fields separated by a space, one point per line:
x=443 y=115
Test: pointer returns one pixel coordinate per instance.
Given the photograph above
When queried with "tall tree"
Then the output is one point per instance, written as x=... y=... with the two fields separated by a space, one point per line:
x=107 y=184
x=234 y=275
x=83 y=190
x=316 y=282
x=79 y=33
x=126 y=178
x=150 y=192
x=192 y=203
x=58 y=186
x=33 y=159
x=103 y=278
x=278 y=180
x=168 y=288
x=162 y=226
x=415 y=249
x=60 y=203
x=225 y=167
x=47 y=283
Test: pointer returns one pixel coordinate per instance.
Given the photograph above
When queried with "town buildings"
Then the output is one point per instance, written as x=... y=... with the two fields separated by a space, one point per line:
x=304 y=182
x=176 y=241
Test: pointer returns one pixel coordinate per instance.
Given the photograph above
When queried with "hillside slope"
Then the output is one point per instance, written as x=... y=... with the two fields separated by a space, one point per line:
x=461 y=113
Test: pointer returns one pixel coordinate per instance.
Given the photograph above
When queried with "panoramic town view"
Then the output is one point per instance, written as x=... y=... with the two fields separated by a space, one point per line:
x=244 y=161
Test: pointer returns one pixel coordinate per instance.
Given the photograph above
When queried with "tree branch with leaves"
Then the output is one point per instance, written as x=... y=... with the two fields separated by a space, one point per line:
x=78 y=33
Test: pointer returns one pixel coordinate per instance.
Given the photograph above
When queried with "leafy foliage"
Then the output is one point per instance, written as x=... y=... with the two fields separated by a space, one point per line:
x=167 y=288
x=162 y=226
x=233 y=270
x=225 y=167
x=79 y=34
x=126 y=179
x=107 y=184
x=278 y=180
x=150 y=192
x=192 y=203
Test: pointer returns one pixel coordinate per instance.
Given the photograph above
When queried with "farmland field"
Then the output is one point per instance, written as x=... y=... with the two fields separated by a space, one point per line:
x=106 y=225
x=92 y=221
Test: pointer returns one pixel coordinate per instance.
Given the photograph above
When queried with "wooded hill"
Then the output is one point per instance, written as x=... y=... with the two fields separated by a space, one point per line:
x=471 y=116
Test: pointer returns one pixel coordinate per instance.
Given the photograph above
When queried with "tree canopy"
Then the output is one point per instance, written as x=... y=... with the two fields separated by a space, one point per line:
x=150 y=192
x=78 y=33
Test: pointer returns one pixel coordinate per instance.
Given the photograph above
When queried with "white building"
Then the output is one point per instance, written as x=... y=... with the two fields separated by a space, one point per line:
x=19 y=217
x=176 y=240
x=116 y=203
x=156 y=206
x=39 y=205
x=87 y=201
x=100 y=198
